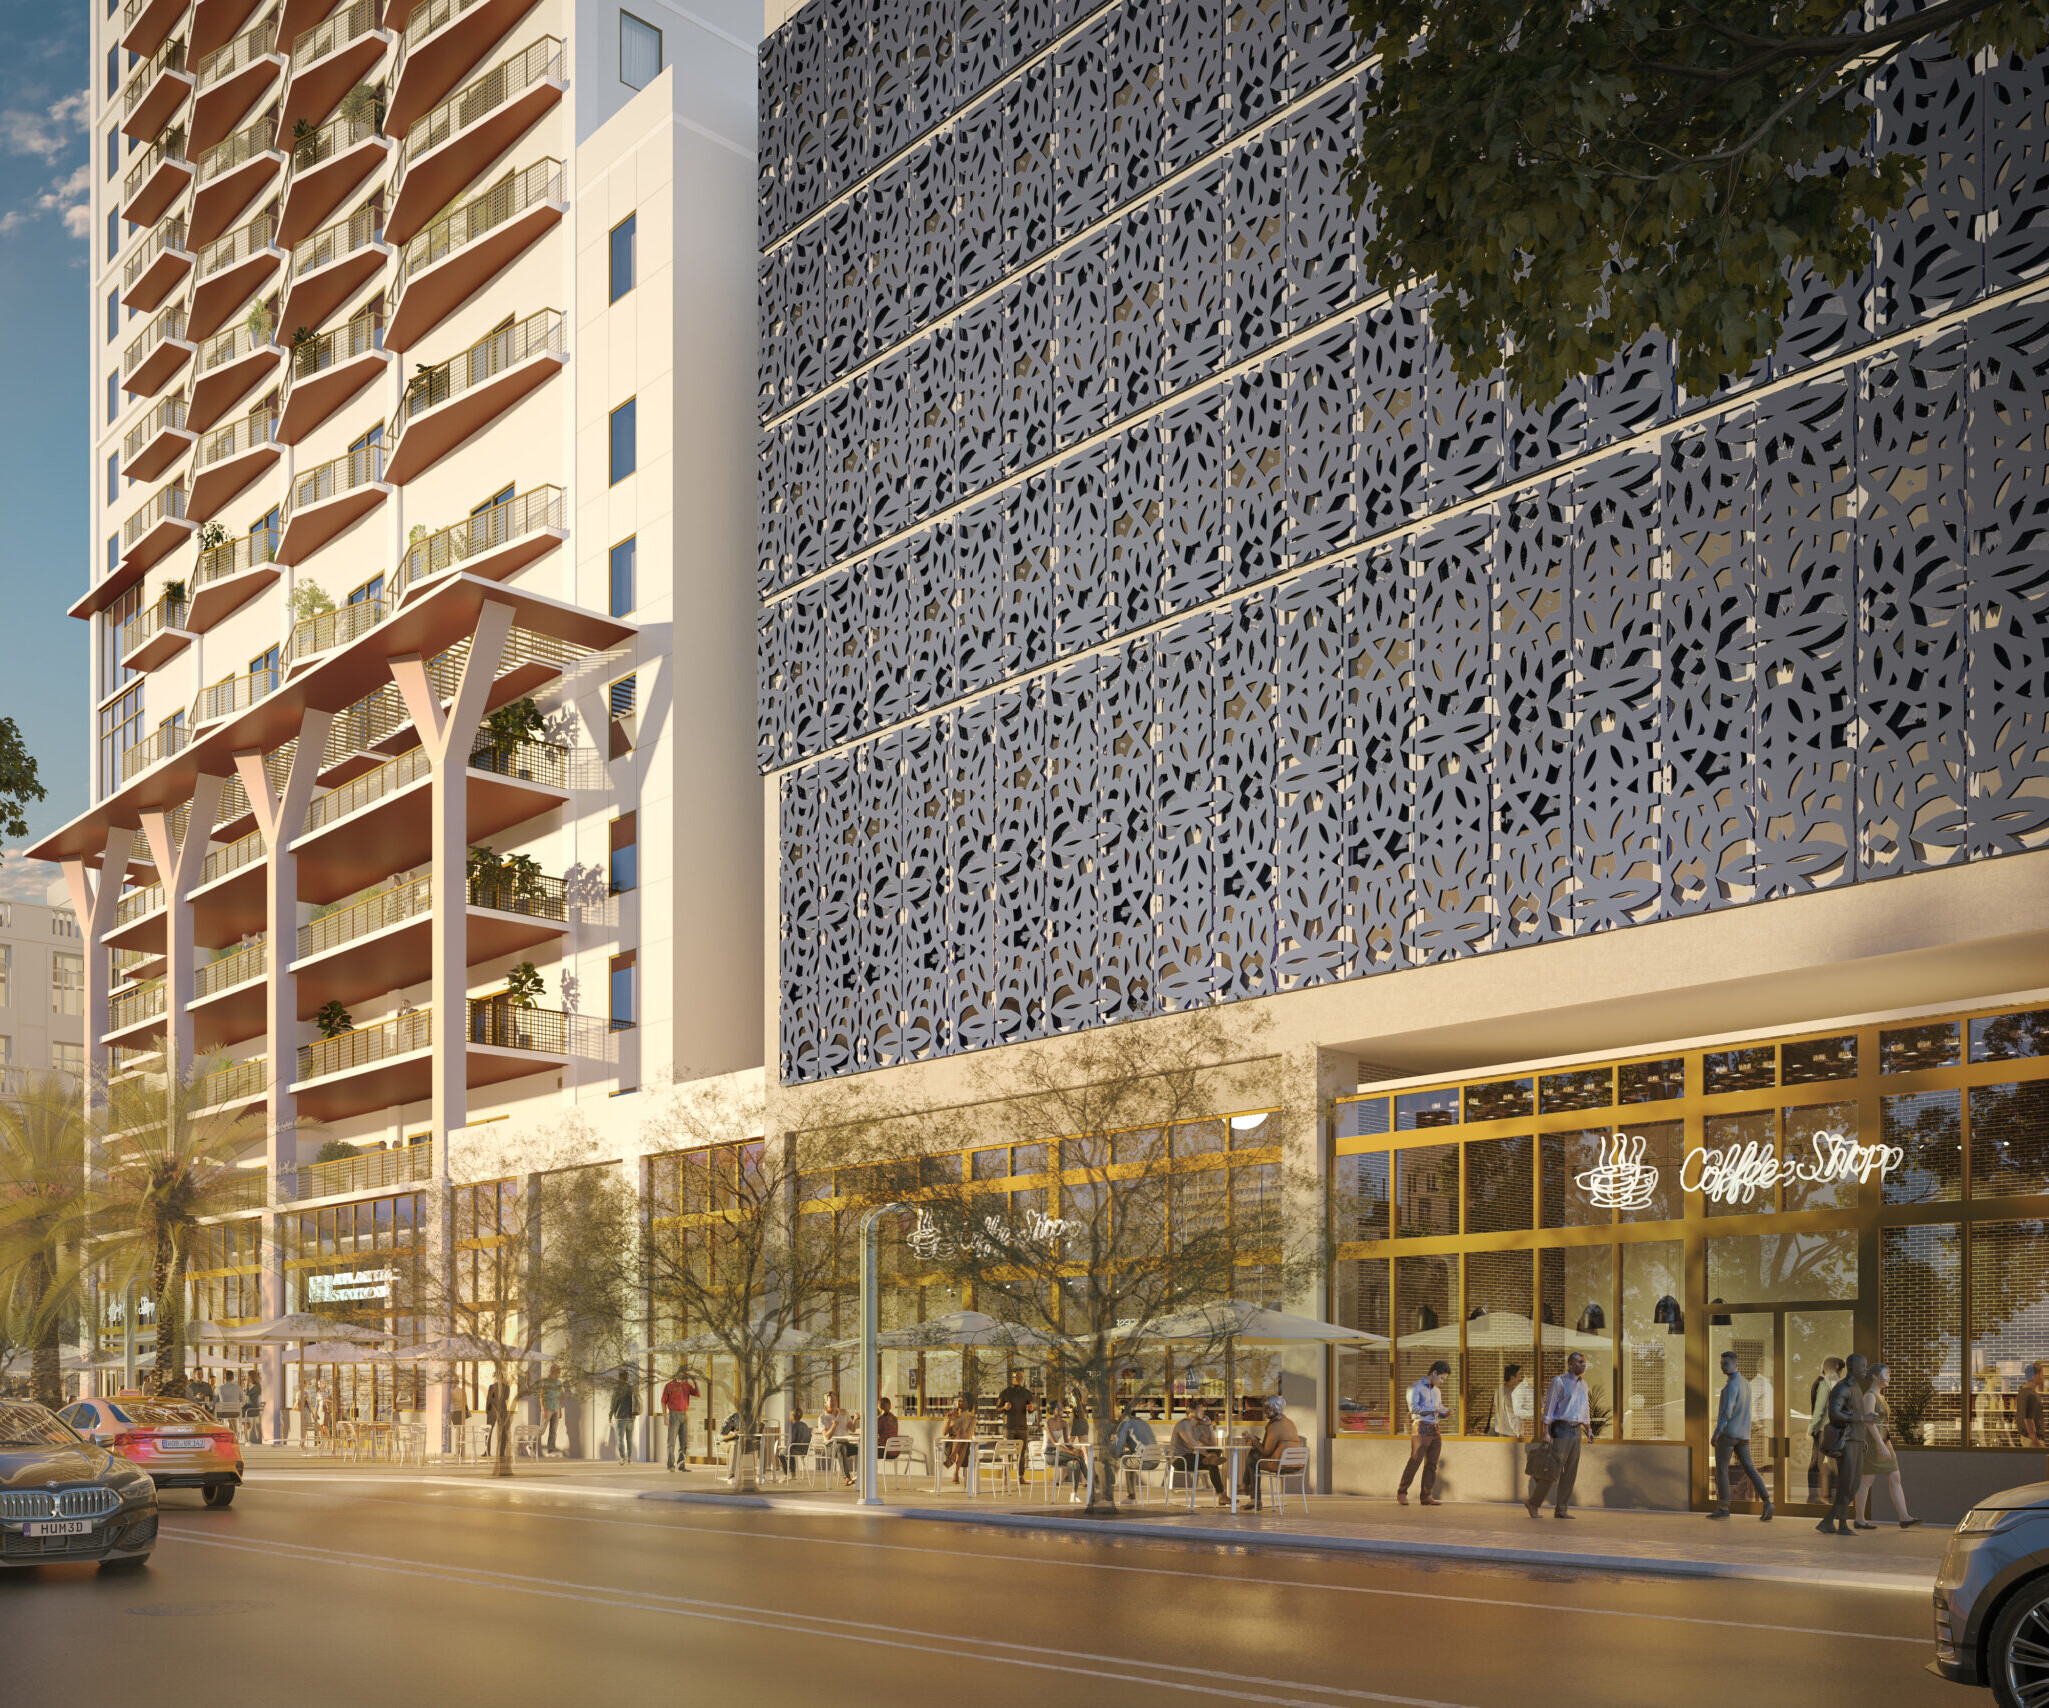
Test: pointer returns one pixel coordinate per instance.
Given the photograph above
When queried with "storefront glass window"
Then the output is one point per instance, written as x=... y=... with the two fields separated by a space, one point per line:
x=1414 y=1109
x=2009 y=1322
x=1927 y=1126
x=1499 y=1330
x=1503 y=1100
x=2010 y=1037
x=1191 y=1138
x=1664 y=1149
x=1426 y=1191
x=1499 y=1181
x=1361 y=1206
x=1567 y=1156
x=1427 y=1329
x=1914 y=1049
x=1920 y=1294
x=1144 y=1145
x=1651 y=1082
x=1802 y=1127
x=1580 y=1088
x=1362 y=1117
x=1818 y=1060
x=1770 y=1269
x=1729 y=1138
x=1575 y=1302
x=2010 y=1139
x=1753 y=1069
x=1654 y=1341
x=1364 y=1302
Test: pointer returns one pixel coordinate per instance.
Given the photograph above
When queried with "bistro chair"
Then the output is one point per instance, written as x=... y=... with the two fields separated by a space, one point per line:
x=526 y=1440
x=1144 y=1463
x=1293 y=1462
x=995 y=1465
x=902 y=1453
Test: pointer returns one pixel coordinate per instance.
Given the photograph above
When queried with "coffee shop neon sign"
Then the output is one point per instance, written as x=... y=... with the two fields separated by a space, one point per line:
x=1736 y=1174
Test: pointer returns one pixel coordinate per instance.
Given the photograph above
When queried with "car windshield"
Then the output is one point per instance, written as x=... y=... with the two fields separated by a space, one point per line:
x=149 y=1414
x=26 y=1425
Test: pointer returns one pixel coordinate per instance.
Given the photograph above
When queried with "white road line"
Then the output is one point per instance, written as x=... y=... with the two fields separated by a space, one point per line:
x=1149 y=1571
x=809 y=1625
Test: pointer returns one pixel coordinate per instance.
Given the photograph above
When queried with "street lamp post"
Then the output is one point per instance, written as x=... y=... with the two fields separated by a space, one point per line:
x=864 y=1438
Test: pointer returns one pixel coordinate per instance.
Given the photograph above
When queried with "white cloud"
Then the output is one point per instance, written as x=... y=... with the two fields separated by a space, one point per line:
x=71 y=200
x=22 y=879
x=49 y=133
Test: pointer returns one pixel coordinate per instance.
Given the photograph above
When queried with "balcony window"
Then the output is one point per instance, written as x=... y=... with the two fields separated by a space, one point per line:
x=113 y=553
x=622 y=991
x=624 y=256
x=640 y=51
x=622 y=575
x=625 y=872
x=625 y=443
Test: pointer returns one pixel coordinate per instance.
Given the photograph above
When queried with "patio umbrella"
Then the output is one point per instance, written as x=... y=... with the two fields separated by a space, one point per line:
x=1506 y=1331
x=1234 y=1321
x=340 y=1352
x=302 y=1328
x=955 y=1328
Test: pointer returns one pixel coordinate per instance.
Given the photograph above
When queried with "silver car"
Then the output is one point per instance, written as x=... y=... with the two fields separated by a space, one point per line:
x=1992 y=1599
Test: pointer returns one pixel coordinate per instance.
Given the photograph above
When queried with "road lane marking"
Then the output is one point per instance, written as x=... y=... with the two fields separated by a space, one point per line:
x=1151 y=1571
x=810 y=1625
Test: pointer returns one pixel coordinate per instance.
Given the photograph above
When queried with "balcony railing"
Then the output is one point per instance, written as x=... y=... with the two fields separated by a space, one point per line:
x=230 y=152
x=168 y=147
x=370 y=1171
x=360 y=792
x=167 y=506
x=361 y=467
x=240 y=1083
x=451 y=547
x=243 y=851
x=169 y=57
x=337 y=136
x=246 y=49
x=331 y=242
x=482 y=362
x=238 y=245
x=529 y=761
x=167 y=417
x=169 y=739
x=534 y=894
x=125 y=961
x=366 y=1045
x=169 y=234
x=388 y=907
x=371 y=720
x=338 y=31
x=358 y=337
x=138 y=904
x=331 y=629
x=236 y=694
x=245 y=551
x=144 y=1002
x=236 y=967
x=425 y=20
x=496 y=1022
x=541 y=182
x=232 y=345
x=167 y=326
x=255 y=430
x=166 y=613
x=536 y=63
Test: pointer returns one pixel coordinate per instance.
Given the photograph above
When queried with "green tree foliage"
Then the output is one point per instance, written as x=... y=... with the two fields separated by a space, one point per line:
x=42 y=1220
x=19 y=783
x=1574 y=175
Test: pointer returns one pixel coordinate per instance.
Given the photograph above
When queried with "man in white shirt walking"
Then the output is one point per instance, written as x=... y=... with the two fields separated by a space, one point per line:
x=1567 y=1422
x=1428 y=1409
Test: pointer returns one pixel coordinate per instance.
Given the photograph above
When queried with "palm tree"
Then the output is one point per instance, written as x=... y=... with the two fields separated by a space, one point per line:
x=166 y=1165
x=43 y=1134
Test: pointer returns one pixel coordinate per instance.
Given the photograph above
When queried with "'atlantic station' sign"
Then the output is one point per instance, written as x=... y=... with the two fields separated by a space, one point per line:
x=350 y=1284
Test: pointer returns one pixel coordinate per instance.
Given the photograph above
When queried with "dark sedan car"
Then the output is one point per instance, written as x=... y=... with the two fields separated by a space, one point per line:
x=63 y=1498
x=1992 y=1598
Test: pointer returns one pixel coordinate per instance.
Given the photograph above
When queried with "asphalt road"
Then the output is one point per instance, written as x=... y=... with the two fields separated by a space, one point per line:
x=310 y=1592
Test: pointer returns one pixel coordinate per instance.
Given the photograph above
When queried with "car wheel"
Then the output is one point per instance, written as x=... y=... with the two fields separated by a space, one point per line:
x=220 y=1494
x=2018 y=1654
x=135 y=1562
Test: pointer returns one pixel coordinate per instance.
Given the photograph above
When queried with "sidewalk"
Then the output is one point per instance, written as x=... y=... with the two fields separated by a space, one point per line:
x=1664 y=1544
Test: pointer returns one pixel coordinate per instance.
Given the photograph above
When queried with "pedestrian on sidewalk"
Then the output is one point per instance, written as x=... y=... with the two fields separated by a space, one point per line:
x=957 y=1436
x=252 y=1408
x=1874 y=1431
x=1428 y=1409
x=1839 y=1441
x=1511 y=1406
x=625 y=1408
x=497 y=1417
x=1017 y=1401
x=676 y=1398
x=1193 y=1447
x=1568 y=1420
x=551 y=1405
x=1819 y=1464
x=2031 y=1407
x=1732 y=1439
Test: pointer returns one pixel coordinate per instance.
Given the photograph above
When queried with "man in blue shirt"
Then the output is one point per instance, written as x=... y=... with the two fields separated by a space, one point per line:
x=1567 y=1421
x=1732 y=1438
x=1428 y=1408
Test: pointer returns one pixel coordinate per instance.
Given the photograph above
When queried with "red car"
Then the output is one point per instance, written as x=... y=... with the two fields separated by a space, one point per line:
x=177 y=1443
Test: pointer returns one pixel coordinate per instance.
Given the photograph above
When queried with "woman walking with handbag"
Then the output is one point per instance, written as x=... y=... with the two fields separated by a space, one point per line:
x=1874 y=1430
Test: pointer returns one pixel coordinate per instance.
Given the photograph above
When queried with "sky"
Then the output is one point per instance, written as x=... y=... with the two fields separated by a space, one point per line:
x=44 y=430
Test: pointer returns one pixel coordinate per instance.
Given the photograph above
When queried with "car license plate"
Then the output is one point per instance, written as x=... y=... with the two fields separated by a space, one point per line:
x=58 y=1527
x=183 y=1443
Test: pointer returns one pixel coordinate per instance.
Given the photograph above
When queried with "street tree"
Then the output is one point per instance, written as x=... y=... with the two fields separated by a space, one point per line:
x=19 y=783
x=1574 y=176
x=43 y=1218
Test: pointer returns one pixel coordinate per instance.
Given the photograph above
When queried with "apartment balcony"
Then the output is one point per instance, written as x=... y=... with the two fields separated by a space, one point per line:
x=156 y=268
x=327 y=370
x=156 y=530
x=233 y=694
x=134 y=966
x=368 y=1171
x=146 y=24
x=313 y=636
x=152 y=750
x=325 y=500
x=229 y=575
x=227 y=902
x=241 y=1087
x=445 y=40
x=157 y=441
x=155 y=636
x=232 y=269
x=156 y=354
x=230 y=175
x=232 y=363
x=327 y=166
x=135 y=1016
x=227 y=1004
x=230 y=457
x=332 y=265
x=330 y=59
x=494 y=543
x=232 y=79
x=390 y=1061
x=464 y=250
x=450 y=145
x=155 y=90
x=156 y=180
x=449 y=403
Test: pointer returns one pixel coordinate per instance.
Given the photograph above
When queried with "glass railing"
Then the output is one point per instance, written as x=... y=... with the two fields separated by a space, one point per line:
x=232 y=345
x=166 y=613
x=236 y=967
x=451 y=547
x=393 y=775
x=481 y=96
x=510 y=196
x=528 y=761
x=246 y=144
x=481 y=363
x=167 y=417
x=345 y=343
x=362 y=228
x=232 y=857
x=136 y=904
x=245 y=50
x=335 y=32
x=363 y=466
x=241 y=1083
x=170 y=57
x=366 y=1045
x=497 y=1022
x=168 y=235
x=167 y=327
x=144 y=1002
x=314 y=635
x=238 y=245
x=231 y=557
x=534 y=894
x=168 y=147
x=368 y=1171
x=235 y=694
x=388 y=907
x=167 y=506
x=255 y=430
x=337 y=136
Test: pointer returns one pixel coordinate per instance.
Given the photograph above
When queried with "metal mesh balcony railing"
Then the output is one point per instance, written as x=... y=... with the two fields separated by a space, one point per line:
x=372 y=719
x=425 y=20
x=246 y=49
x=363 y=466
x=132 y=1007
x=331 y=242
x=236 y=967
x=370 y=1171
x=359 y=336
x=392 y=906
x=243 y=851
x=231 y=557
x=537 y=62
x=170 y=57
x=232 y=345
x=528 y=761
x=230 y=152
x=482 y=362
x=360 y=792
x=168 y=234
x=255 y=430
x=235 y=694
x=510 y=196
x=138 y=904
x=497 y=1023
x=337 y=136
x=237 y=245
x=168 y=326
x=367 y=1045
x=168 y=147
x=167 y=417
x=240 y=1083
x=337 y=31
x=534 y=894
x=167 y=506
x=451 y=547
x=315 y=635
x=166 y=613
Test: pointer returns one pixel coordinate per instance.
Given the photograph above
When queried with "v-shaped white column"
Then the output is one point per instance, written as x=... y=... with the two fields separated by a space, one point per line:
x=179 y=864
x=94 y=897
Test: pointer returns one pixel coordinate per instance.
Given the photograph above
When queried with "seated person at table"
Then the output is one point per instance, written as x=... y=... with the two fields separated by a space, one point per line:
x=796 y=1441
x=886 y=1431
x=838 y=1426
x=958 y=1434
x=1281 y=1434
x=1062 y=1454
x=1132 y=1433
x=1193 y=1447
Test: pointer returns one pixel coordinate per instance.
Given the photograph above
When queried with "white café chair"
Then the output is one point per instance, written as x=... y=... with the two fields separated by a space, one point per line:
x=902 y=1453
x=1144 y=1463
x=995 y=1465
x=526 y=1440
x=1293 y=1462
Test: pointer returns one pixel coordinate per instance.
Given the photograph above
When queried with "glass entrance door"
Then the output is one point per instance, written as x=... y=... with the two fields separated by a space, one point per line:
x=1755 y=1339
x=1779 y=1350
x=1809 y=1336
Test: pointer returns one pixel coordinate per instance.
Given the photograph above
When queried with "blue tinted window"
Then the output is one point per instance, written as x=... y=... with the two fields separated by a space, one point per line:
x=624 y=256
x=623 y=590
x=625 y=453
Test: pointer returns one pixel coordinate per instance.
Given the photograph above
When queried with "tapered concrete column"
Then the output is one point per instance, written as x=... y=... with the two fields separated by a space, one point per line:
x=94 y=898
x=280 y=815
x=179 y=863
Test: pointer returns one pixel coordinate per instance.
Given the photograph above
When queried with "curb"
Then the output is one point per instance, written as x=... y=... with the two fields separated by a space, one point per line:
x=1371 y=1546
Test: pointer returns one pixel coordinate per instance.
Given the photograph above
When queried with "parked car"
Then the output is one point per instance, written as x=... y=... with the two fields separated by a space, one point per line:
x=63 y=1497
x=181 y=1445
x=1992 y=1598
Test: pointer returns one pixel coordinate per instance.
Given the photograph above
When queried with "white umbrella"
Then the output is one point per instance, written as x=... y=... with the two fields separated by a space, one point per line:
x=339 y=1352
x=1506 y=1331
x=1249 y=1325
x=301 y=1326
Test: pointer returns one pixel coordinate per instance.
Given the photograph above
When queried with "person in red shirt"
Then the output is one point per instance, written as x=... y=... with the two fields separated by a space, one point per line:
x=676 y=1398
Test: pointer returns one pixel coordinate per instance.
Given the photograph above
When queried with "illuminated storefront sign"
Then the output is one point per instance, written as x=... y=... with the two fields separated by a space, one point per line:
x=350 y=1284
x=1737 y=1174
x=927 y=1242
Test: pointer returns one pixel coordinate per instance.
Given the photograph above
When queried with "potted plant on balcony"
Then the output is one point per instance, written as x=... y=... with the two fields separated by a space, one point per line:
x=485 y=869
x=305 y=144
x=333 y=1020
x=212 y=536
x=523 y=878
x=506 y=730
x=259 y=323
x=174 y=594
x=364 y=105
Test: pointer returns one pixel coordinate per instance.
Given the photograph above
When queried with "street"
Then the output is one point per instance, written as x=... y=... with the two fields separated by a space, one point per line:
x=345 y=1589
